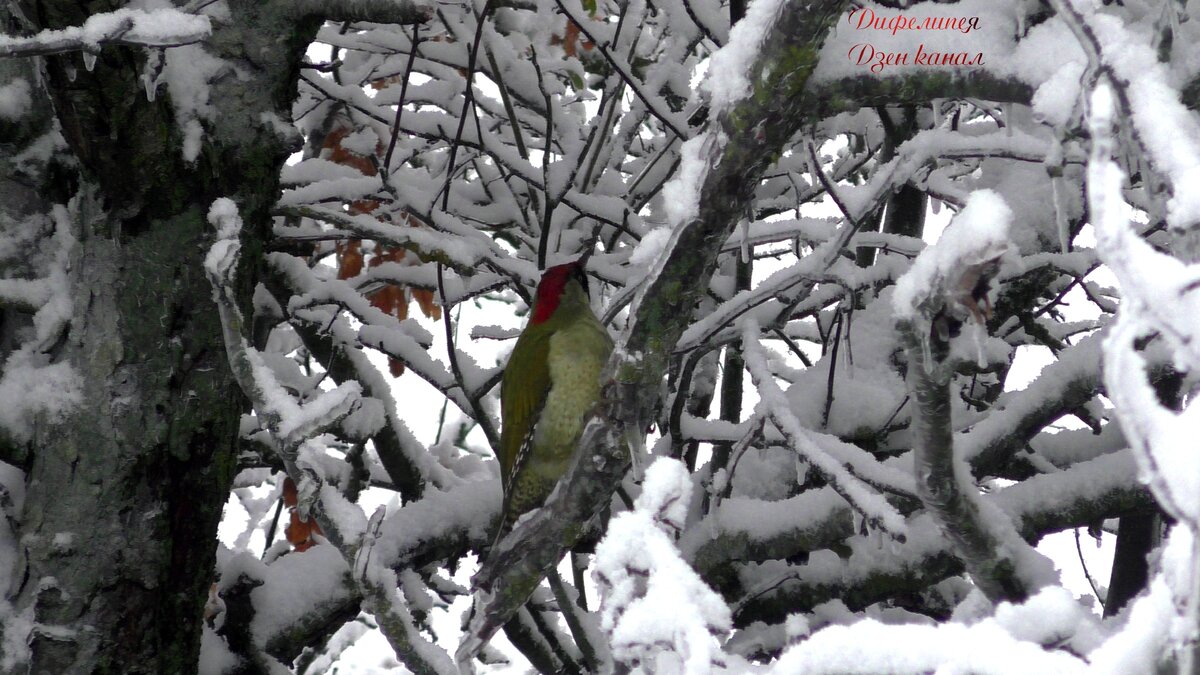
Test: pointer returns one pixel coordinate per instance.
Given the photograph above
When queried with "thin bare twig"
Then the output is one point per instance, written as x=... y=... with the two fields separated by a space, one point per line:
x=481 y=416
x=408 y=69
x=665 y=118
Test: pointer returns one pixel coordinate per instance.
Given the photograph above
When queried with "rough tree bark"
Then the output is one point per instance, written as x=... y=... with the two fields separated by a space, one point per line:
x=125 y=492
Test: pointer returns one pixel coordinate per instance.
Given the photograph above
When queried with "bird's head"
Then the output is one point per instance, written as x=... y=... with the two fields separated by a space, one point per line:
x=553 y=287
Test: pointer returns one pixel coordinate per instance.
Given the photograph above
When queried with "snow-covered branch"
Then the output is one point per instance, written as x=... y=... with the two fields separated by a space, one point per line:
x=335 y=345
x=639 y=571
x=163 y=27
x=947 y=286
x=1141 y=86
x=1167 y=461
x=873 y=507
x=290 y=425
x=289 y=422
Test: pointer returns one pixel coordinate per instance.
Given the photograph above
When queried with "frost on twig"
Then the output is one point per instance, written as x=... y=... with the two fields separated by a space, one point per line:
x=157 y=28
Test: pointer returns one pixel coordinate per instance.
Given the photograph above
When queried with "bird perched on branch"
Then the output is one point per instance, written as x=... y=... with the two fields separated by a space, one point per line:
x=550 y=384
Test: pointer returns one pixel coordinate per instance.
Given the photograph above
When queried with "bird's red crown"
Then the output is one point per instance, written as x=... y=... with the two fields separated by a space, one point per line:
x=550 y=289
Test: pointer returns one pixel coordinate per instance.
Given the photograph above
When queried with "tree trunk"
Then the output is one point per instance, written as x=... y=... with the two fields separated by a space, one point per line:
x=125 y=492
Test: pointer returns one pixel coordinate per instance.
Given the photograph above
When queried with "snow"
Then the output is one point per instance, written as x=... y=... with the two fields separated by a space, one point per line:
x=301 y=278
x=1055 y=100
x=299 y=421
x=346 y=517
x=639 y=572
x=31 y=387
x=223 y=215
x=215 y=657
x=366 y=420
x=18 y=628
x=1028 y=61
x=1154 y=622
x=1052 y=617
x=979 y=233
x=756 y=521
x=870 y=647
x=1075 y=370
x=470 y=508
x=294 y=586
x=868 y=502
x=867 y=392
x=15 y=99
x=316 y=169
x=729 y=69
x=1162 y=439
x=1043 y=494
x=665 y=493
x=222 y=257
x=650 y=247
x=681 y=195
x=1167 y=129
x=349 y=188
x=187 y=71
x=24 y=292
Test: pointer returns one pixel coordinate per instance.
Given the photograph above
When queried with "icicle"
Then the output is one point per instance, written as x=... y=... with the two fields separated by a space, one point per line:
x=719 y=482
x=977 y=334
x=937 y=113
x=1060 y=216
x=70 y=70
x=89 y=60
x=935 y=205
x=1006 y=111
x=745 y=249
x=927 y=354
x=636 y=441
x=802 y=468
x=155 y=61
x=151 y=85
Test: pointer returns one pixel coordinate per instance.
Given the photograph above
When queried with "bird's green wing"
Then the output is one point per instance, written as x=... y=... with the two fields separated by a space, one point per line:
x=522 y=394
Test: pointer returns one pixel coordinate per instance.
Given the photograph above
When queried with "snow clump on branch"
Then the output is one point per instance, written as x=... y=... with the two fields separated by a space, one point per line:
x=656 y=610
x=977 y=237
x=730 y=65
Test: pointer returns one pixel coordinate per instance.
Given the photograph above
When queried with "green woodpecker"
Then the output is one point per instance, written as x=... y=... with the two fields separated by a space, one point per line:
x=551 y=382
